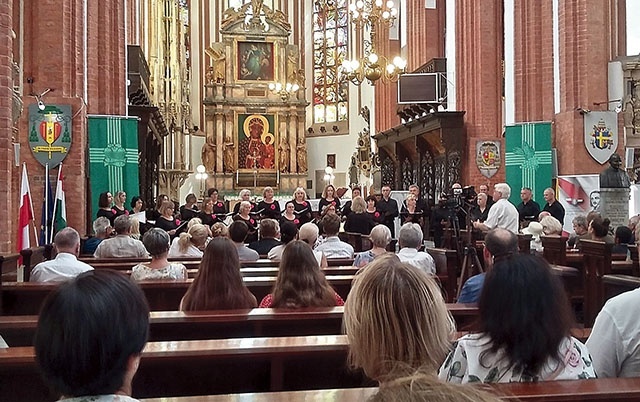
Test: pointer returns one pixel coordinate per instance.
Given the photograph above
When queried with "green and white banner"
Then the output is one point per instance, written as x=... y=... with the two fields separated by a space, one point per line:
x=113 y=156
x=528 y=159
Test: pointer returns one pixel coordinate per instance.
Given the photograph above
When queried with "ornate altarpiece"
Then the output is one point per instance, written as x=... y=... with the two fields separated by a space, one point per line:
x=254 y=136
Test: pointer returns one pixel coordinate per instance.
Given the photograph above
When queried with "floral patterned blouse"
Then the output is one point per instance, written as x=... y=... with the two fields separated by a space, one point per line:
x=173 y=271
x=464 y=364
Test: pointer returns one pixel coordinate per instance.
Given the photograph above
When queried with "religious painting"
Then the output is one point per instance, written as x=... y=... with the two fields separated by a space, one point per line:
x=256 y=61
x=256 y=139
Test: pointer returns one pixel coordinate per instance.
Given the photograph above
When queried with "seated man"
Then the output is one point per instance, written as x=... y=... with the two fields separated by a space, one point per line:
x=410 y=240
x=123 y=245
x=498 y=243
x=580 y=231
x=269 y=231
x=238 y=233
x=309 y=233
x=102 y=230
x=623 y=237
x=333 y=247
x=614 y=343
x=66 y=265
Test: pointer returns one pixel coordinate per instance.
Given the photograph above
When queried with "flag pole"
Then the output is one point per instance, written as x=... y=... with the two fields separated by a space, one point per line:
x=33 y=219
x=55 y=203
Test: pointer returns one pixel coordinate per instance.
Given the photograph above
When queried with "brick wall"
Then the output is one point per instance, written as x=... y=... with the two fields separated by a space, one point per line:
x=8 y=197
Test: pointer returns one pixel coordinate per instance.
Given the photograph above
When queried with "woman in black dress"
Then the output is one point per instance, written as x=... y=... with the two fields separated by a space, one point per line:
x=208 y=215
x=118 y=204
x=155 y=214
x=302 y=207
x=372 y=209
x=329 y=198
x=358 y=221
x=244 y=216
x=245 y=195
x=104 y=203
x=289 y=214
x=410 y=212
x=219 y=209
x=190 y=208
x=166 y=221
x=268 y=207
x=346 y=210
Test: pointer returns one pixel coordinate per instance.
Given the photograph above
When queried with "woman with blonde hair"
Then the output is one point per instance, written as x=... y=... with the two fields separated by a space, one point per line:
x=301 y=207
x=269 y=207
x=166 y=220
x=551 y=226
x=300 y=283
x=219 y=285
x=329 y=197
x=244 y=216
x=135 y=228
x=219 y=229
x=191 y=243
x=396 y=317
x=358 y=221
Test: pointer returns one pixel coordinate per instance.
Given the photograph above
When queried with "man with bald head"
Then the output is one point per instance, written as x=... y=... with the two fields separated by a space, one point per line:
x=553 y=206
x=66 y=265
x=499 y=243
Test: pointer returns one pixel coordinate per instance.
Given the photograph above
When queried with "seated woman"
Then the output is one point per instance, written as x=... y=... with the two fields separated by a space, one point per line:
x=95 y=354
x=300 y=283
x=190 y=243
x=396 y=320
x=219 y=285
x=599 y=229
x=219 y=229
x=524 y=330
x=358 y=221
x=551 y=226
x=268 y=207
x=244 y=216
x=156 y=241
x=380 y=238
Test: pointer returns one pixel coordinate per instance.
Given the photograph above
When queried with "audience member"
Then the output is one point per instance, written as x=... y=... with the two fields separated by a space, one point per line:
x=485 y=190
x=333 y=247
x=122 y=245
x=156 y=242
x=90 y=335
x=395 y=316
x=580 y=231
x=498 y=244
x=551 y=226
x=238 y=233
x=380 y=238
x=599 y=230
x=410 y=240
x=288 y=233
x=524 y=330
x=528 y=209
x=102 y=230
x=219 y=229
x=300 y=283
x=553 y=206
x=623 y=237
x=480 y=211
x=502 y=213
x=614 y=343
x=309 y=233
x=269 y=233
x=535 y=229
x=66 y=265
x=359 y=221
x=219 y=285
x=135 y=229
x=190 y=243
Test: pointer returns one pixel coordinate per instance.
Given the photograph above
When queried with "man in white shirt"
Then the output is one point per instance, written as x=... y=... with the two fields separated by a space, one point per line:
x=410 y=239
x=614 y=343
x=66 y=265
x=333 y=247
x=502 y=213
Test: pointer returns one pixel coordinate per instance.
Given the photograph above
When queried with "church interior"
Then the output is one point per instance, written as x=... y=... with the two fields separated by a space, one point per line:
x=237 y=94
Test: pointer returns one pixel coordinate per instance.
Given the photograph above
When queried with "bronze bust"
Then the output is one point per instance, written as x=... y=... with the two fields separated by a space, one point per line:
x=614 y=176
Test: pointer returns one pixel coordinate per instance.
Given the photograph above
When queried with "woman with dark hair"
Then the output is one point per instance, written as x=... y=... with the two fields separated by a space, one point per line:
x=346 y=209
x=104 y=203
x=289 y=214
x=372 y=209
x=137 y=205
x=190 y=208
x=219 y=285
x=95 y=354
x=300 y=283
x=329 y=197
x=219 y=209
x=524 y=330
x=288 y=233
x=599 y=229
x=160 y=199
x=269 y=207
x=118 y=204
x=156 y=241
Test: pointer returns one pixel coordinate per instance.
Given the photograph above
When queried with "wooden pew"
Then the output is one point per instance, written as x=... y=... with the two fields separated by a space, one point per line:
x=555 y=249
x=33 y=256
x=524 y=243
x=597 y=263
x=446 y=270
x=8 y=268
x=209 y=367
x=613 y=285
x=596 y=390
x=25 y=298
x=177 y=325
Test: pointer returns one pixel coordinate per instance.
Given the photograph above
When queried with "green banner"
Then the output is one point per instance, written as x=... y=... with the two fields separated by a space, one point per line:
x=113 y=157
x=528 y=159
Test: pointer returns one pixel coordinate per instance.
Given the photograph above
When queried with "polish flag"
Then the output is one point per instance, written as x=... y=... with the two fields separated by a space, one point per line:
x=26 y=212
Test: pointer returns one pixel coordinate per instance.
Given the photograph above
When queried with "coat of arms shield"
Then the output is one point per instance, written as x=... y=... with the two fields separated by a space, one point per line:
x=50 y=133
x=601 y=135
x=488 y=157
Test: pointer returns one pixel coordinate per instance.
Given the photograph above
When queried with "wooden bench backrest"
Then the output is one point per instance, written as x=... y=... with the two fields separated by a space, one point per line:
x=596 y=264
x=555 y=249
x=446 y=269
x=524 y=243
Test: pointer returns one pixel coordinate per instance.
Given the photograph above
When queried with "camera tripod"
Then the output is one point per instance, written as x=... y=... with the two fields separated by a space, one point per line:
x=466 y=247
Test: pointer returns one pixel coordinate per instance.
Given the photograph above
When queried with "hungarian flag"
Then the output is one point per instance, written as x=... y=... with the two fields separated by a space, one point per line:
x=26 y=213
x=60 y=208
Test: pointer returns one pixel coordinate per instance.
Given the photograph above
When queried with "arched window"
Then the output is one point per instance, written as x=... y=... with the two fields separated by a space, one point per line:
x=330 y=37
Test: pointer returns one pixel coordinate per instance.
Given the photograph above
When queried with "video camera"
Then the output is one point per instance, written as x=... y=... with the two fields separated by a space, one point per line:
x=460 y=196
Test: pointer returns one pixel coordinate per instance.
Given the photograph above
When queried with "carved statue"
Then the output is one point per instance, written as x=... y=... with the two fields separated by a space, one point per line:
x=301 y=149
x=613 y=176
x=256 y=6
x=218 y=63
x=229 y=166
x=283 y=157
x=209 y=155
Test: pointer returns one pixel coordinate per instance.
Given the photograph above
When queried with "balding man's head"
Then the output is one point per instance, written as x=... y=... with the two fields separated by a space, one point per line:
x=67 y=241
x=499 y=243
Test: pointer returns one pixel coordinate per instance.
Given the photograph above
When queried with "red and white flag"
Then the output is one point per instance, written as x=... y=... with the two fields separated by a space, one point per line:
x=26 y=212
